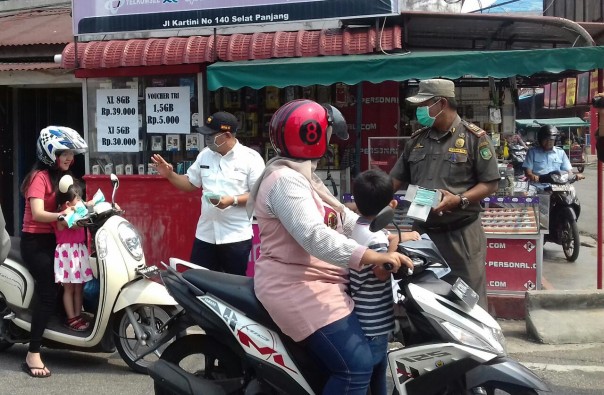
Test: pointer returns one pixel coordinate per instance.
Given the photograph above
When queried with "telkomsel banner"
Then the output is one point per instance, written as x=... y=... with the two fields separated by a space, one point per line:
x=114 y=16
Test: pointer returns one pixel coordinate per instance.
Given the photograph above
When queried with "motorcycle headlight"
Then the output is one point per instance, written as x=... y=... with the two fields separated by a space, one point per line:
x=465 y=337
x=499 y=338
x=101 y=243
x=131 y=240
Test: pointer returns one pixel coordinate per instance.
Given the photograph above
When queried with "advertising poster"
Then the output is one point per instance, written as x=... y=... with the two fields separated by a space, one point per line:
x=547 y=89
x=561 y=103
x=511 y=264
x=571 y=91
x=117 y=120
x=113 y=16
x=168 y=109
x=553 y=95
x=583 y=88
x=381 y=113
x=593 y=84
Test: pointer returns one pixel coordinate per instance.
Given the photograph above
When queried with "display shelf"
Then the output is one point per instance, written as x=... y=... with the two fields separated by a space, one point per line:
x=511 y=215
x=510 y=220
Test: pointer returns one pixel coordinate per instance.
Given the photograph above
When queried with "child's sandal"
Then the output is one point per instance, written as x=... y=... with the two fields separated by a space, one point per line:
x=77 y=324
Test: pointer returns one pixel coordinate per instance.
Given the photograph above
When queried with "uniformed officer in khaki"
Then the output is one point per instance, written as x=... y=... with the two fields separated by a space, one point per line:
x=457 y=158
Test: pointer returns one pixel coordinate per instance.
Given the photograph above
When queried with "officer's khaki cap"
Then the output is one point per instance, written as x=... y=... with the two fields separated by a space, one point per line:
x=431 y=88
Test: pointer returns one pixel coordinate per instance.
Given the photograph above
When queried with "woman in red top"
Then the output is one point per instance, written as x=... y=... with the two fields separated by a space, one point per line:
x=55 y=151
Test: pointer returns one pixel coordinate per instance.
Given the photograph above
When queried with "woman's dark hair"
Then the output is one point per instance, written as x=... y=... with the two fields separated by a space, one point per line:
x=74 y=190
x=54 y=172
x=372 y=191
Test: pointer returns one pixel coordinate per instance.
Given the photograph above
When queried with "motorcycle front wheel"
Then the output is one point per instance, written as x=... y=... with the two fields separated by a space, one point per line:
x=202 y=356
x=570 y=239
x=151 y=318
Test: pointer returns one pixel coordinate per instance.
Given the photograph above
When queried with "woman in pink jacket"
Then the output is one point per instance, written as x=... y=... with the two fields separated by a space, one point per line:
x=302 y=273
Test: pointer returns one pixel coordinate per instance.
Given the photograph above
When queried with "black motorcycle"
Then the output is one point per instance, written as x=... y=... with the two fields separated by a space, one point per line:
x=517 y=157
x=564 y=211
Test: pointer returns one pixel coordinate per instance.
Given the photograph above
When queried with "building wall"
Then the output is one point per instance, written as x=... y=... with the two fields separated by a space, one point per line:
x=576 y=10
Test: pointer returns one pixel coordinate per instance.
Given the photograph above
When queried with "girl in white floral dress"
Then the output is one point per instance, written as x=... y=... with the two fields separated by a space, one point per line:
x=72 y=266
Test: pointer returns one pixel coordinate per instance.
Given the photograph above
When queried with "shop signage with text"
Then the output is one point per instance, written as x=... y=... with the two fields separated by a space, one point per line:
x=168 y=109
x=117 y=120
x=113 y=16
x=511 y=264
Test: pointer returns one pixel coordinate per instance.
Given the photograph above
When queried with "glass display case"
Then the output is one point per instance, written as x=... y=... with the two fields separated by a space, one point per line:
x=383 y=152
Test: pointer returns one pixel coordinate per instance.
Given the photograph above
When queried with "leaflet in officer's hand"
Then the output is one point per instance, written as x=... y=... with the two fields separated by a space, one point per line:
x=422 y=200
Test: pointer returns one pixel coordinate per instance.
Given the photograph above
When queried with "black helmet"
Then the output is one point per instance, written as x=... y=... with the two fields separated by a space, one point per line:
x=548 y=132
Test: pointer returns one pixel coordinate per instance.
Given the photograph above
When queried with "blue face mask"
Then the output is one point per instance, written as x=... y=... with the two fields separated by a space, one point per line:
x=423 y=115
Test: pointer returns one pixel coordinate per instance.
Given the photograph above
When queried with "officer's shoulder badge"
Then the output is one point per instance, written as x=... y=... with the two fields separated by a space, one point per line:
x=419 y=131
x=476 y=131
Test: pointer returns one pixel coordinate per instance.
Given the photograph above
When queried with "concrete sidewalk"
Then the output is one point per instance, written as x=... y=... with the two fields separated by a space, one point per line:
x=569 y=309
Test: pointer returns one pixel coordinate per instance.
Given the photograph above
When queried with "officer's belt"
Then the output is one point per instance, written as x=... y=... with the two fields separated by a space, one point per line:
x=442 y=228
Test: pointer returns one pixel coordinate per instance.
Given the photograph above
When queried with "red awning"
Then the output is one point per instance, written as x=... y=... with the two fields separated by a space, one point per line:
x=206 y=49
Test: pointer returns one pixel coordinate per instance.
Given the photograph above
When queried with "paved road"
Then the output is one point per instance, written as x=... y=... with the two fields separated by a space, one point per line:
x=73 y=373
x=558 y=273
x=569 y=369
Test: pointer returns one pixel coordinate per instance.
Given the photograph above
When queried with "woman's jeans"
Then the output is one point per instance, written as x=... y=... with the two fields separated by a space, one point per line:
x=343 y=349
x=379 y=349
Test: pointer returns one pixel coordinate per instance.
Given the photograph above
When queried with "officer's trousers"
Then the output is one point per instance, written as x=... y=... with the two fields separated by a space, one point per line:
x=465 y=250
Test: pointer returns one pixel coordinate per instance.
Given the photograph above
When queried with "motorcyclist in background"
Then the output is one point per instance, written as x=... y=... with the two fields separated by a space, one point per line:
x=546 y=157
x=517 y=150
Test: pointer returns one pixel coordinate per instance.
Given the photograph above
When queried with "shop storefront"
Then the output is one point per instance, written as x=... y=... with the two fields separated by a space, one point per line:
x=147 y=95
x=131 y=117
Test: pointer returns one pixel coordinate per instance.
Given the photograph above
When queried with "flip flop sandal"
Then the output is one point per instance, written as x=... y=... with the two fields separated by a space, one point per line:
x=77 y=324
x=29 y=370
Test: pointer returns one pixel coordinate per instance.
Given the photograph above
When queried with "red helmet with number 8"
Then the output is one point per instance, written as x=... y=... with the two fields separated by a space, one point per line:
x=300 y=129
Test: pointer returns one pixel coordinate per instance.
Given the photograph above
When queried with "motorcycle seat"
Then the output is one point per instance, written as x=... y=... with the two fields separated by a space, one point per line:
x=237 y=291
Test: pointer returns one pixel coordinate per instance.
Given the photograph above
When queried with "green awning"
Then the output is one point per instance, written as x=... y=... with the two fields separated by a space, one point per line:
x=352 y=69
x=570 y=122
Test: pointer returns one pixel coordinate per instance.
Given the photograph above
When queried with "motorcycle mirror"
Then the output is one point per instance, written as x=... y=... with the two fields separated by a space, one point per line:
x=116 y=184
x=382 y=219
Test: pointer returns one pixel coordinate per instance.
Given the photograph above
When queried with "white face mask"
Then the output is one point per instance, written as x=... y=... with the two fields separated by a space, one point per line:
x=211 y=144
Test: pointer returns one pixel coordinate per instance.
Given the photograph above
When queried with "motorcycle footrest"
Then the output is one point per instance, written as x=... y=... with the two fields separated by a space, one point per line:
x=171 y=377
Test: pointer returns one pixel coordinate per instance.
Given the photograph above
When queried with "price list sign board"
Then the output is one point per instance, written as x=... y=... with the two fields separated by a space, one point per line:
x=117 y=120
x=168 y=109
x=511 y=264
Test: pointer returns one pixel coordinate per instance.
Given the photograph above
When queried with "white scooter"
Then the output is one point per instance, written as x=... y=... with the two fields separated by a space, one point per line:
x=132 y=313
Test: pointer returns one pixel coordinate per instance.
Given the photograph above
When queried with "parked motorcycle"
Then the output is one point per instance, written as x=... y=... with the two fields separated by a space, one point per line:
x=564 y=211
x=451 y=345
x=132 y=310
x=517 y=157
